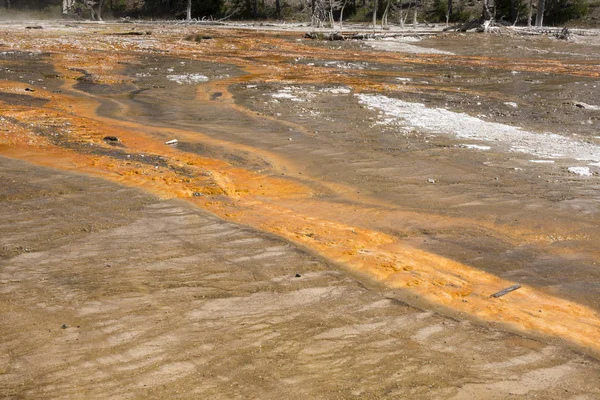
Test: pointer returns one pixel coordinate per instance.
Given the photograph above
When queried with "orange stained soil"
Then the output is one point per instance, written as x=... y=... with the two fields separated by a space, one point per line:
x=270 y=202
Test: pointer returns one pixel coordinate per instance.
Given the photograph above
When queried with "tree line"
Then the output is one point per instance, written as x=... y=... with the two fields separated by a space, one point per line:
x=320 y=12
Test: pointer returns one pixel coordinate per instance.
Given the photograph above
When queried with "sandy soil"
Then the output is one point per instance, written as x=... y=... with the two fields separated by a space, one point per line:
x=330 y=223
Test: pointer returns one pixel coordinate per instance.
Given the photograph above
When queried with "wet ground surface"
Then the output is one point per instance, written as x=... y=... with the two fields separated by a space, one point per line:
x=387 y=164
x=93 y=310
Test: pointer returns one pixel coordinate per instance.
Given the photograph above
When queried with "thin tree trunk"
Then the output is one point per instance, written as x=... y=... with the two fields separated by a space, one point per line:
x=539 y=18
x=331 y=21
x=529 y=13
x=278 y=9
x=375 y=6
x=448 y=12
x=415 y=17
x=401 y=16
x=188 y=16
x=90 y=5
x=384 y=18
x=342 y=15
x=99 y=13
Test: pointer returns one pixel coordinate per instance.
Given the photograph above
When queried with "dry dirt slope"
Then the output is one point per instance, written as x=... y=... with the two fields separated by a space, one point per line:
x=161 y=300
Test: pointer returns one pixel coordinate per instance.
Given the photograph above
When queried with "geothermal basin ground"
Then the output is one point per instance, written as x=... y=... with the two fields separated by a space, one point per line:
x=258 y=215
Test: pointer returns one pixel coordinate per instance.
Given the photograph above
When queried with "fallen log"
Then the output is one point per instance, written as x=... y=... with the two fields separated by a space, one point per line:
x=131 y=33
x=505 y=291
x=473 y=24
x=560 y=33
x=324 y=36
x=363 y=36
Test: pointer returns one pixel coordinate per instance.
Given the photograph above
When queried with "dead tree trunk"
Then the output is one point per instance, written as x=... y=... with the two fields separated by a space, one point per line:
x=95 y=14
x=331 y=20
x=67 y=6
x=375 y=6
x=402 y=16
x=529 y=13
x=415 y=16
x=539 y=18
x=486 y=13
x=448 y=12
x=99 y=12
x=90 y=5
x=188 y=14
x=342 y=14
x=384 y=17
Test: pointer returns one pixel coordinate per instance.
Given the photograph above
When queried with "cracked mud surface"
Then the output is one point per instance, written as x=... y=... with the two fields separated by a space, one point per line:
x=173 y=268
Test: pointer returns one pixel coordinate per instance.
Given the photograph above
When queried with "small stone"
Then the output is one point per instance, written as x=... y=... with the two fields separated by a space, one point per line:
x=298 y=276
x=197 y=194
x=110 y=139
x=28 y=89
x=431 y=180
x=63 y=326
